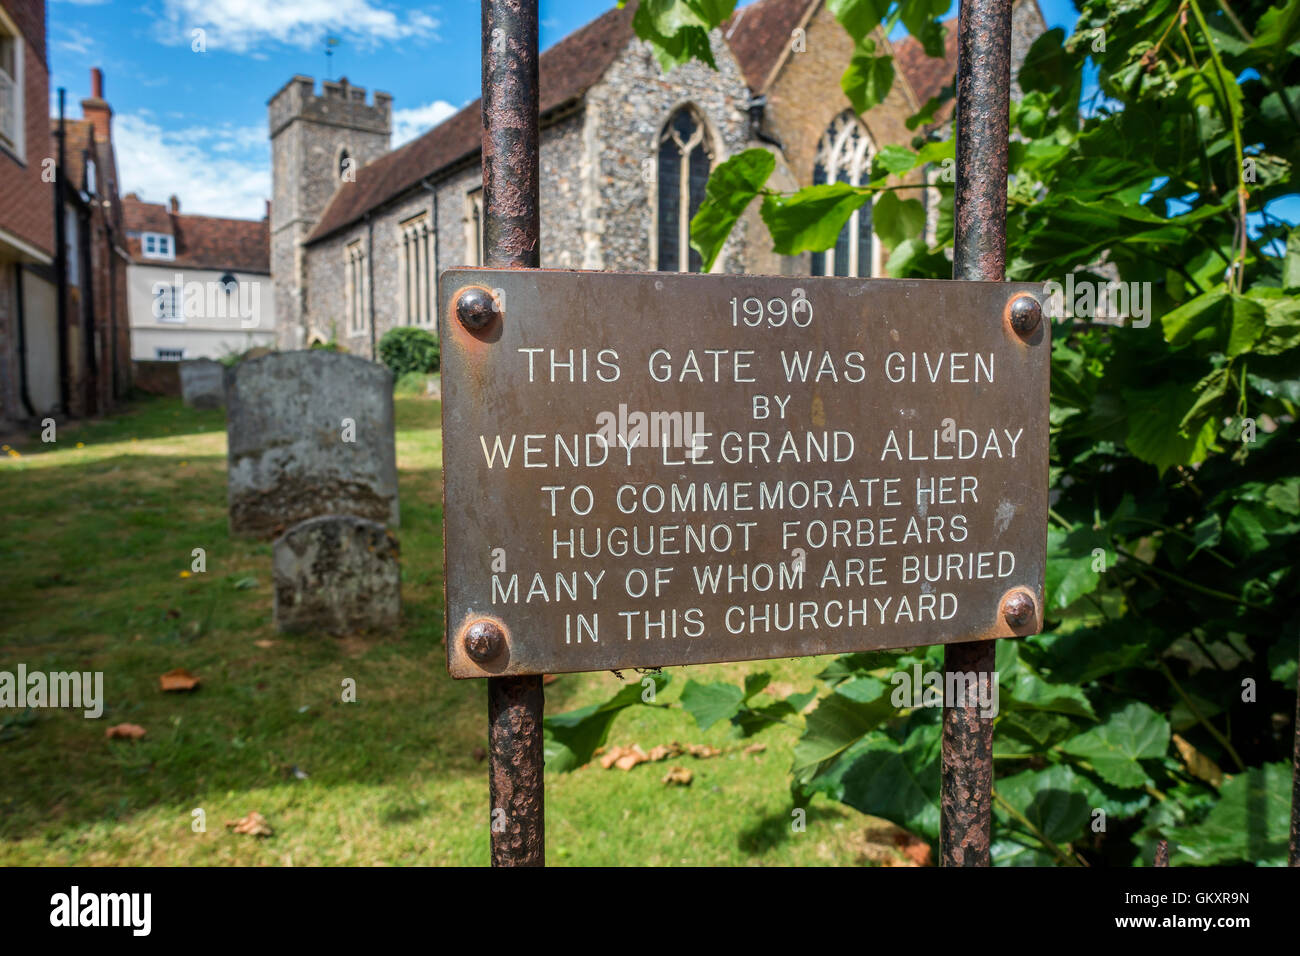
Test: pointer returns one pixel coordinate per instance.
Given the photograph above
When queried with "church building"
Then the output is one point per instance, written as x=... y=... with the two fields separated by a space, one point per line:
x=359 y=231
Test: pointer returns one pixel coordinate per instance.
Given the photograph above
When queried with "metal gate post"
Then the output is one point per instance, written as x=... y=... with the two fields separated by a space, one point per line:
x=979 y=252
x=512 y=239
x=1294 y=857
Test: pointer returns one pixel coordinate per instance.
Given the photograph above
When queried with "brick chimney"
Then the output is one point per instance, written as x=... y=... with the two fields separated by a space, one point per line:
x=96 y=108
x=175 y=205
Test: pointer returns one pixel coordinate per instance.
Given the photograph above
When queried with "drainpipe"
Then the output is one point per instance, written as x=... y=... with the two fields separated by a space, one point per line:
x=89 y=352
x=370 y=283
x=436 y=259
x=23 y=393
x=61 y=265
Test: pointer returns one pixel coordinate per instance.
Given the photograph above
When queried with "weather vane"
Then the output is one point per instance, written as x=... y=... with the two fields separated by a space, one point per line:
x=330 y=43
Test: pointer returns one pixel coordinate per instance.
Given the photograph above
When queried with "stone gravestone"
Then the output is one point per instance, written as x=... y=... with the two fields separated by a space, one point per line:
x=336 y=573
x=309 y=433
x=203 y=383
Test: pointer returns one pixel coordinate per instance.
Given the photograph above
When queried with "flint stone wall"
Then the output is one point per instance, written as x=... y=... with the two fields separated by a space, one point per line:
x=287 y=457
x=336 y=573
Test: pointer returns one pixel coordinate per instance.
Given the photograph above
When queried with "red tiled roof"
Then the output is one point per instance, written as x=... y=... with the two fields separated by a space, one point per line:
x=202 y=242
x=759 y=34
x=928 y=75
x=566 y=71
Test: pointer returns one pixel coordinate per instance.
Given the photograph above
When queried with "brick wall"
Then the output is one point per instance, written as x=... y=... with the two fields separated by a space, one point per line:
x=25 y=200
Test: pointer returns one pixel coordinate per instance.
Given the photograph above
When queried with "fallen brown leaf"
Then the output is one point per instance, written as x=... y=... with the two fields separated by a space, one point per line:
x=631 y=757
x=1198 y=765
x=755 y=748
x=678 y=777
x=264 y=643
x=252 y=825
x=178 y=679
x=125 y=732
x=703 y=751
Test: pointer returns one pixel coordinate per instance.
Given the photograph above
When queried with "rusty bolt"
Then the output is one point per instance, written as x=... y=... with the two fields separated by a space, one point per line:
x=1018 y=608
x=475 y=308
x=483 y=641
x=1026 y=313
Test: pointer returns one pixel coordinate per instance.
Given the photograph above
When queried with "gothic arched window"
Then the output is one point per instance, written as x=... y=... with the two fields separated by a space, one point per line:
x=844 y=156
x=346 y=167
x=685 y=159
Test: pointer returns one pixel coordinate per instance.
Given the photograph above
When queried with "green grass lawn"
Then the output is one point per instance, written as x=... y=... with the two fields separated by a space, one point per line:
x=96 y=540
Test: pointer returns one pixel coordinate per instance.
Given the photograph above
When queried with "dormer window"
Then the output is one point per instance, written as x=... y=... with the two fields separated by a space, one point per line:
x=157 y=245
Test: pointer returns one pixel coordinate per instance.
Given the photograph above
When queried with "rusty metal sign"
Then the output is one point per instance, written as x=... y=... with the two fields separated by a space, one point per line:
x=654 y=469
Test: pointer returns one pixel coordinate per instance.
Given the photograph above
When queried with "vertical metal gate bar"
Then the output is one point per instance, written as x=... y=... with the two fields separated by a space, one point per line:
x=1294 y=857
x=512 y=238
x=979 y=252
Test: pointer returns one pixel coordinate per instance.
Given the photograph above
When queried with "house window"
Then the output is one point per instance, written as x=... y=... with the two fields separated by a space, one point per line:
x=358 y=313
x=157 y=245
x=11 y=88
x=417 y=270
x=474 y=227
x=346 y=167
x=685 y=159
x=844 y=156
x=169 y=355
x=167 y=303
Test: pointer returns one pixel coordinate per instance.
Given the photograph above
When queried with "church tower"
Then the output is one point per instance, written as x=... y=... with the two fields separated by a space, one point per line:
x=318 y=142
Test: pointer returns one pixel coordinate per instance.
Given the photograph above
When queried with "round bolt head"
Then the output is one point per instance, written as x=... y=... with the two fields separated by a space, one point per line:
x=1026 y=314
x=483 y=641
x=1018 y=608
x=475 y=308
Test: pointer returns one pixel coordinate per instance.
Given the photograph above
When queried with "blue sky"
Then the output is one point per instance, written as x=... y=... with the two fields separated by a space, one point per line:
x=194 y=123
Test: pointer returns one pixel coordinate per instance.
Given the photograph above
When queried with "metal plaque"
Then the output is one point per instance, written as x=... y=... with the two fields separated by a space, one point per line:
x=650 y=469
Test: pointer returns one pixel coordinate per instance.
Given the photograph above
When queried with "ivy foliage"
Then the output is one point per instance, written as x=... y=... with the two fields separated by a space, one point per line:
x=1158 y=703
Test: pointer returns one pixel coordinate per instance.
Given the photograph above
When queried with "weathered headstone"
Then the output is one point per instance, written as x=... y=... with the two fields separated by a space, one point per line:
x=203 y=383
x=336 y=573
x=309 y=433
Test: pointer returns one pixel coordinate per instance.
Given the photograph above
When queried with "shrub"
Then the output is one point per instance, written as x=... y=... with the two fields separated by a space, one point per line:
x=409 y=349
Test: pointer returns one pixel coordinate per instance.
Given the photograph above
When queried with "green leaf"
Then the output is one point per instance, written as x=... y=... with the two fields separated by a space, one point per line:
x=1183 y=323
x=710 y=703
x=895 y=160
x=1250 y=823
x=836 y=723
x=899 y=782
x=1021 y=687
x=1114 y=748
x=1072 y=564
x=731 y=188
x=1155 y=432
x=572 y=737
x=869 y=77
x=810 y=219
x=895 y=220
x=1054 y=800
x=858 y=17
x=1207 y=532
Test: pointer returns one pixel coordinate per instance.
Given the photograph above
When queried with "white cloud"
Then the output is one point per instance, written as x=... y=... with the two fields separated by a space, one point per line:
x=72 y=40
x=242 y=25
x=214 y=171
x=410 y=123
